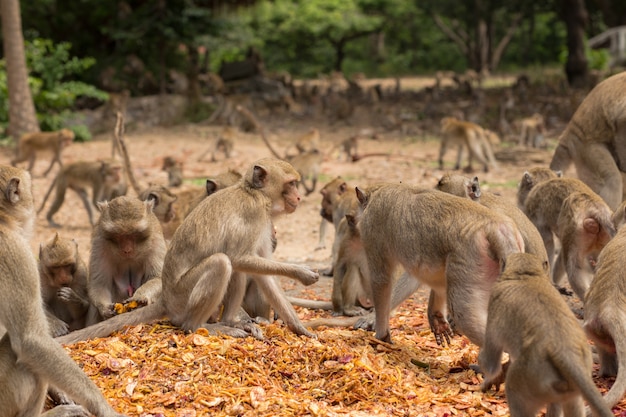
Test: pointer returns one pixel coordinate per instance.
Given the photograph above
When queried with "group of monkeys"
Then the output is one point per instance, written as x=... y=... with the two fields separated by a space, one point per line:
x=490 y=265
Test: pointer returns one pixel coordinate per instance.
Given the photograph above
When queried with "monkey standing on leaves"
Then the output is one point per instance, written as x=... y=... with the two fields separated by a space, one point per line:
x=223 y=241
x=30 y=359
x=550 y=359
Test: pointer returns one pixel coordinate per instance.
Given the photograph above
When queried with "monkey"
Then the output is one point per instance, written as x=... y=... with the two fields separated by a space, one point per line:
x=531 y=178
x=604 y=321
x=584 y=227
x=348 y=146
x=462 y=186
x=594 y=140
x=63 y=276
x=532 y=131
x=30 y=359
x=449 y=243
x=466 y=134
x=79 y=176
x=619 y=216
x=308 y=165
x=331 y=195
x=225 y=143
x=543 y=206
x=550 y=361
x=174 y=171
x=29 y=144
x=126 y=258
x=223 y=241
x=308 y=142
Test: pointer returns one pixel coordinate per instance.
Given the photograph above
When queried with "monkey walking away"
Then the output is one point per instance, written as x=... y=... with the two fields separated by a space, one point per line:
x=30 y=359
x=468 y=135
x=550 y=359
x=30 y=144
x=224 y=241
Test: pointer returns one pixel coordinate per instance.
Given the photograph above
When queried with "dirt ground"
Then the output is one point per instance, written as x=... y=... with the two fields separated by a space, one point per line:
x=412 y=159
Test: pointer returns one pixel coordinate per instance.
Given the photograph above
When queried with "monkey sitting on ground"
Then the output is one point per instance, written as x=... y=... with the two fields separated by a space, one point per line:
x=100 y=176
x=224 y=241
x=532 y=132
x=550 y=360
x=63 y=277
x=595 y=140
x=29 y=144
x=30 y=359
x=466 y=134
x=126 y=258
x=604 y=319
x=174 y=171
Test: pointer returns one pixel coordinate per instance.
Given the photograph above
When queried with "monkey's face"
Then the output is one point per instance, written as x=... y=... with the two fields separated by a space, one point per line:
x=62 y=275
x=291 y=196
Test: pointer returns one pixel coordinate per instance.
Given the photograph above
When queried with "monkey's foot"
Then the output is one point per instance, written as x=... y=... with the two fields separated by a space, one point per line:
x=565 y=291
x=366 y=322
x=493 y=382
x=355 y=311
x=238 y=329
x=70 y=411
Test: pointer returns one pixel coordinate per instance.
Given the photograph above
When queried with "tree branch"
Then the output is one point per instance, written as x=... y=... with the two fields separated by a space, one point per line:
x=499 y=50
x=455 y=37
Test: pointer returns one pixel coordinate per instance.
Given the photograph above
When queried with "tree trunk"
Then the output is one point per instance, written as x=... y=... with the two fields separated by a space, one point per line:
x=22 y=115
x=574 y=14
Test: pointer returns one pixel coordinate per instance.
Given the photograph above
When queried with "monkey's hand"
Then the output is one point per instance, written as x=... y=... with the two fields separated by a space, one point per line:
x=441 y=328
x=68 y=295
x=107 y=311
x=307 y=276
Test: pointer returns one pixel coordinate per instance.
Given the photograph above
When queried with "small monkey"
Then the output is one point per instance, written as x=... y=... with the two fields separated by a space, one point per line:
x=466 y=134
x=30 y=359
x=225 y=143
x=308 y=142
x=63 y=276
x=29 y=144
x=127 y=252
x=595 y=140
x=550 y=359
x=308 y=165
x=224 y=241
x=174 y=171
x=604 y=320
x=531 y=178
x=79 y=176
x=532 y=131
x=331 y=193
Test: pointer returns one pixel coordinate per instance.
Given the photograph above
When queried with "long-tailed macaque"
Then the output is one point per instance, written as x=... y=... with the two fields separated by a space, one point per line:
x=584 y=227
x=464 y=134
x=225 y=143
x=126 y=258
x=532 y=131
x=29 y=144
x=308 y=142
x=174 y=171
x=79 y=176
x=223 y=241
x=29 y=358
x=543 y=206
x=550 y=361
x=331 y=192
x=604 y=320
x=531 y=178
x=449 y=243
x=595 y=140
x=63 y=275
x=308 y=165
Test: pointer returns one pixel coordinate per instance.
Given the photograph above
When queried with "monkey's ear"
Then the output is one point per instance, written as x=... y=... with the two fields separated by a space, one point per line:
x=502 y=265
x=40 y=250
x=211 y=186
x=361 y=196
x=475 y=188
x=546 y=267
x=101 y=205
x=154 y=198
x=259 y=176
x=56 y=238
x=342 y=188
x=351 y=219
x=559 y=173
x=12 y=192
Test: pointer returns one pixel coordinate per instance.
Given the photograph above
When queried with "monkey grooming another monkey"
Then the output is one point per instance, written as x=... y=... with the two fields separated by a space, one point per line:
x=466 y=134
x=550 y=359
x=126 y=258
x=30 y=359
x=595 y=140
x=29 y=144
x=449 y=243
x=63 y=277
x=604 y=316
x=223 y=241
x=100 y=176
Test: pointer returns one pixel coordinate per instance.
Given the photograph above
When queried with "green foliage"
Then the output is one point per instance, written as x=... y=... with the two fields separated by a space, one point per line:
x=51 y=69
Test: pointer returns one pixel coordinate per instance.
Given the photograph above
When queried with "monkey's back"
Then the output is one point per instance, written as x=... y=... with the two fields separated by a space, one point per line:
x=544 y=201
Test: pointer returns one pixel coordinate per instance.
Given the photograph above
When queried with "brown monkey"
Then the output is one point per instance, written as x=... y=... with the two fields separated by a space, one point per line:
x=63 y=277
x=584 y=227
x=604 y=320
x=619 y=216
x=595 y=140
x=349 y=147
x=79 y=176
x=462 y=186
x=331 y=193
x=543 y=206
x=223 y=241
x=127 y=252
x=447 y=242
x=29 y=358
x=174 y=171
x=225 y=143
x=29 y=144
x=532 y=131
x=550 y=359
x=308 y=165
x=531 y=178
x=466 y=134
x=308 y=142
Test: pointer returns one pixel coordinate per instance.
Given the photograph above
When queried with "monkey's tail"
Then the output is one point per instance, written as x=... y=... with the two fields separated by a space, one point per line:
x=584 y=382
x=105 y=328
x=333 y=322
x=43 y=203
x=119 y=138
x=253 y=120
x=311 y=304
